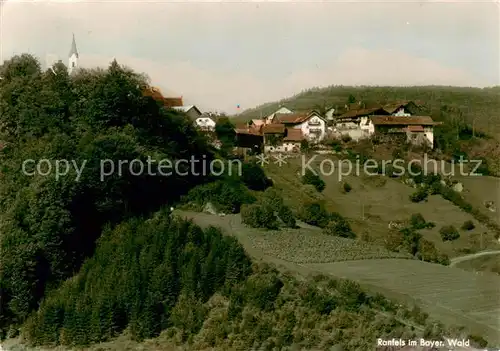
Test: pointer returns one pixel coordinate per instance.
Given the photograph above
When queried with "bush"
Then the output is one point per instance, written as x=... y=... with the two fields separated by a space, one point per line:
x=339 y=227
x=449 y=233
x=478 y=341
x=417 y=221
x=226 y=195
x=287 y=216
x=259 y=215
x=468 y=225
x=314 y=213
x=419 y=195
x=253 y=176
x=272 y=197
x=346 y=187
x=313 y=179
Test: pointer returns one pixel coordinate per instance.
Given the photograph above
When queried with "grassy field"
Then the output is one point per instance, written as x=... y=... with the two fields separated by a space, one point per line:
x=482 y=263
x=450 y=295
x=375 y=201
x=299 y=245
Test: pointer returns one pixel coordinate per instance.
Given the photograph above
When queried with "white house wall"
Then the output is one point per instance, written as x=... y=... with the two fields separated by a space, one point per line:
x=306 y=128
x=401 y=112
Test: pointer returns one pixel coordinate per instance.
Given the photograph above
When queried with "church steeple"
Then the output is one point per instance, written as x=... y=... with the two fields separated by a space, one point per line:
x=73 y=56
x=73 y=51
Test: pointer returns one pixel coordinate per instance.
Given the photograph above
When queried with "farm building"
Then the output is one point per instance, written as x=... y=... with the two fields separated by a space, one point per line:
x=355 y=122
x=418 y=129
x=248 y=136
x=281 y=110
x=193 y=112
x=402 y=108
x=312 y=124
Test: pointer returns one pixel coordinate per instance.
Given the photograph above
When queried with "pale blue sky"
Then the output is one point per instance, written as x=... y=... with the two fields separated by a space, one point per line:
x=218 y=55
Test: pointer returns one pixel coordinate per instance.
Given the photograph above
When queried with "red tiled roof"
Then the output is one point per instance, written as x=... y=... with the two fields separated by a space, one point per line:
x=173 y=102
x=158 y=96
x=243 y=128
x=258 y=122
x=362 y=112
x=293 y=135
x=403 y=120
x=275 y=128
x=291 y=118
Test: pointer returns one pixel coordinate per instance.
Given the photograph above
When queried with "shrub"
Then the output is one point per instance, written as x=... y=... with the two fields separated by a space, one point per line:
x=449 y=233
x=314 y=213
x=253 y=176
x=304 y=145
x=346 y=187
x=272 y=197
x=478 y=341
x=417 y=221
x=419 y=195
x=227 y=195
x=311 y=178
x=339 y=227
x=468 y=225
x=287 y=216
x=259 y=215
x=346 y=138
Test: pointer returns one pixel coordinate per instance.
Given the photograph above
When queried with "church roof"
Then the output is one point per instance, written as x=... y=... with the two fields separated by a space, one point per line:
x=73 y=48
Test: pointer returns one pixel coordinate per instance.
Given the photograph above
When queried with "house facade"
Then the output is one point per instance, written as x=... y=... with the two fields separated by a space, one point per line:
x=311 y=124
x=205 y=123
x=356 y=123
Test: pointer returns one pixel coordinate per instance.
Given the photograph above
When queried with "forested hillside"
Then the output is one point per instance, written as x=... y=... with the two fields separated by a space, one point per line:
x=48 y=225
x=86 y=256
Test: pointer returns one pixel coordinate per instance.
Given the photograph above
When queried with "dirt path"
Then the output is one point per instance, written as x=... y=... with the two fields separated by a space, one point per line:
x=456 y=260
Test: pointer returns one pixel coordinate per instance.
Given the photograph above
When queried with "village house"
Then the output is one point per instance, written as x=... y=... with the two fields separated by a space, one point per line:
x=281 y=110
x=419 y=130
x=312 y=124
x=192 y=111
x=402 y=108
x=205 y=123
x=248 y=136
x=355 y=122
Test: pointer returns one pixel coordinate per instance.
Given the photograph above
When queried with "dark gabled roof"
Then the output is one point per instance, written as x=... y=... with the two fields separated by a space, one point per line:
x=364 y=112
x=393 y=107
x=295 y=118
x=403 y=120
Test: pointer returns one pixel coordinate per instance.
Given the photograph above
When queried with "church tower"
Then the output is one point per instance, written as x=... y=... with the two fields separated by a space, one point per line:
x=73 y=56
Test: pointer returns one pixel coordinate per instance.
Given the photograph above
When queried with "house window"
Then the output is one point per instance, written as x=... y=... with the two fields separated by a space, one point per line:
x=72 y=64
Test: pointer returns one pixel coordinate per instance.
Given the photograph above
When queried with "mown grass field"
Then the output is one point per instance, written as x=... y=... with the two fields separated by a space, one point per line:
x=375 y=201
x=299 y=245
x=450 y=294
x=482 y=264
